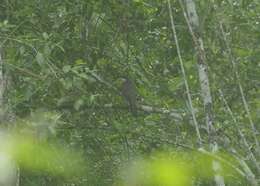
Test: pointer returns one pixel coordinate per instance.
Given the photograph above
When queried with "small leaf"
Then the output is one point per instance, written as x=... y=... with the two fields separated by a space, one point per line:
x=45 y=35
x=83 y=76
x=175 y=83
x=79 y=62
x=66 y=68
x=40 y=59
x=92 y=98
x=78 y=104
x=47 y=50
x=22 y=50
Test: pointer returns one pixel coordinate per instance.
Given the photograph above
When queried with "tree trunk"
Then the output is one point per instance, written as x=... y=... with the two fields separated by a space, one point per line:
x=194 y=27
x=9 y=172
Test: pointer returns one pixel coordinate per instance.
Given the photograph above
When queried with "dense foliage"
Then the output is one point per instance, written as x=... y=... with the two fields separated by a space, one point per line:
x=69 y=57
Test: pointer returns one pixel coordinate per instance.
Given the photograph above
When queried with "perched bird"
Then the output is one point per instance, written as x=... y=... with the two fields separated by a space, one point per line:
x=128 y=91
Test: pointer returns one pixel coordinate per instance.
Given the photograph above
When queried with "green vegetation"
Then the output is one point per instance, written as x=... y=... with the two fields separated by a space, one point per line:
x=129 y=92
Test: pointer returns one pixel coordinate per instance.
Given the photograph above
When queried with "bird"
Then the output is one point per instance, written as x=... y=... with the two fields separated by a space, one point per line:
x=129 y=93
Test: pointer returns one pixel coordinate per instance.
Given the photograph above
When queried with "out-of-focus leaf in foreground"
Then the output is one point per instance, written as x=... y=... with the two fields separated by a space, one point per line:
x=178 y=169
x=33 y=155
x=159 y=171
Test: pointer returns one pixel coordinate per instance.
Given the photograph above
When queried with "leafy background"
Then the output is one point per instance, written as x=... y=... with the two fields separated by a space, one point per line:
x=68 y=57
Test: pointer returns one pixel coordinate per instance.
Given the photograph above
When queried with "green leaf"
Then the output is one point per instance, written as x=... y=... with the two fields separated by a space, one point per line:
x=40 y=59
x=66 y=68
x=78 y=104
x=45 y=35
x=79 y=62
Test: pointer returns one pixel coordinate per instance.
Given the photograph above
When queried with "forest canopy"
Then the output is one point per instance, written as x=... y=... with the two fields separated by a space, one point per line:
x=129 y=92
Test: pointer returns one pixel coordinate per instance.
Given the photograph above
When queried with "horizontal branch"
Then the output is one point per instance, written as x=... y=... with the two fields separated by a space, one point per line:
x=175 y=114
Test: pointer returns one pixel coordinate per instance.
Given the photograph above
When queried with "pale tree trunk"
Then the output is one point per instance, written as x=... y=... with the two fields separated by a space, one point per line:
x=193 y=23
x=2 y=87
x=194 y=28
x=8 y=170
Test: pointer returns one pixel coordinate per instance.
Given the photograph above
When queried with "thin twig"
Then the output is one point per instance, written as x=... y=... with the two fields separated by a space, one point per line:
x=239 y=130
x=184 y=74
x=25 y=71
x=245 y=104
